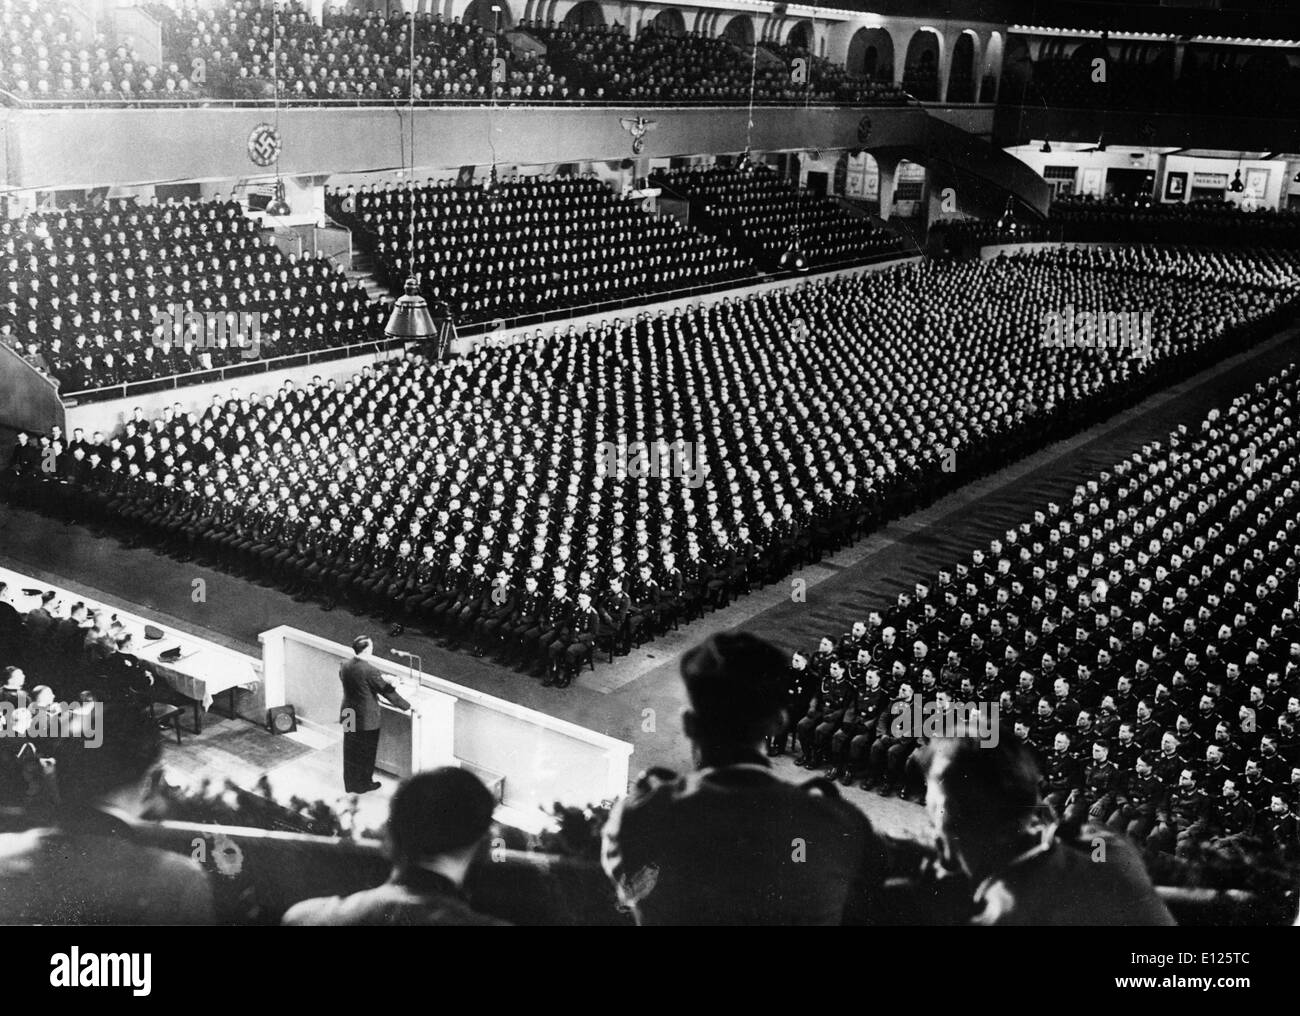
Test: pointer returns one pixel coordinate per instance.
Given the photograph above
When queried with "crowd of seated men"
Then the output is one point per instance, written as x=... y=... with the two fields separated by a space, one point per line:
x=530 y=244
x=82 y=289
x=921 y=77
x=229 y=52
x=658 y=65
x=1087 y=219
x=57 y=656
x=833 y=82
x=783 y=225
x=1213 y=223
x=42 y=56
x=545 y=499
x=356 y=56
x=1143 y=641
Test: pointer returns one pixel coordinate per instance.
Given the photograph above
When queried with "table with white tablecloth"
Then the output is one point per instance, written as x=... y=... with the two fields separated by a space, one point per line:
x=202 y=670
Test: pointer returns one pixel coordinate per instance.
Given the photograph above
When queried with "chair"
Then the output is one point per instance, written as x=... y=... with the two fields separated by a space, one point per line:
x=165 y=714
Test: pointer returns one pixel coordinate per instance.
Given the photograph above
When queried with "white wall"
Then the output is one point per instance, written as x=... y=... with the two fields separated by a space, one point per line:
x=1120 y=157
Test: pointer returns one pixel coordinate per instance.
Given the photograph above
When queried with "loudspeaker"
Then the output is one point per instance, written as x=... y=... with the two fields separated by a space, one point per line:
x=281 y=720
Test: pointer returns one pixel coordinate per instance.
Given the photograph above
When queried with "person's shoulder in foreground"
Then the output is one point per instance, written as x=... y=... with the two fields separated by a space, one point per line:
x=438 y=824
x=993 y=826
x=1095 y=879
x=731 y=843
x=393 y=903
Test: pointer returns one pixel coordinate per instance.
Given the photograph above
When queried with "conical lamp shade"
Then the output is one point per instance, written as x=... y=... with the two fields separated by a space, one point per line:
x=410 y=318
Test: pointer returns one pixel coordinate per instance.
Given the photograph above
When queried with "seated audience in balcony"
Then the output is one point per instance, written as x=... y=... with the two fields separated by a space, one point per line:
x=780 y=224
x=85 y=289
x=530 y=244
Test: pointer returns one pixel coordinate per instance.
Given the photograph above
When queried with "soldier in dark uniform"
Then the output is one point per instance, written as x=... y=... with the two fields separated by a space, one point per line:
x=860 y=719
x=439 y=608
x=474 y=599
x=569 y=654
x=1231 y=816
x=489 y=627
x=1095 y=798
x=518 y=630
x=646 y=618
x=893 y=744
x=799 y=689
x=615 y=609
x=716 y=846
x=1182 y=820
x=1141 y=795
x=1061 y=775
x=1279 y=827
x=672 y=585
x=422 y=583
x=985 y=804
x=556 y=621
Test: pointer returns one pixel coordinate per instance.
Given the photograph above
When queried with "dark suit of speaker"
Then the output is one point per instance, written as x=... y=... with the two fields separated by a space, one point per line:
x=364 y=685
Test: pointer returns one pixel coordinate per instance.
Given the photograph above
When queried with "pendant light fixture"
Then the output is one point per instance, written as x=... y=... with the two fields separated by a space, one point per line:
x=410 y=318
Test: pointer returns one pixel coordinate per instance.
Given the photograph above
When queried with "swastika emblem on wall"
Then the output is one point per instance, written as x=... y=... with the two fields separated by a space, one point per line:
x=264 y=145
x=864 y=130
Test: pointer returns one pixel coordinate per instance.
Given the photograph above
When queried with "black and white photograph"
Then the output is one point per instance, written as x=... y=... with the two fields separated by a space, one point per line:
x=605 y=463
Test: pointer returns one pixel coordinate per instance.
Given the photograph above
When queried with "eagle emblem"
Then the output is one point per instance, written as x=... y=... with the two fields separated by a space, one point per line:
x=638 y=127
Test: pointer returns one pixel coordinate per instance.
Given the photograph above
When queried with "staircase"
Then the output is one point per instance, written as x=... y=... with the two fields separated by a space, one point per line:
x=900 y=228
x=362 y=274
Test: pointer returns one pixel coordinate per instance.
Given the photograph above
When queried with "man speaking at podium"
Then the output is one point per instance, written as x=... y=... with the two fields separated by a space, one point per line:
x=364 y=685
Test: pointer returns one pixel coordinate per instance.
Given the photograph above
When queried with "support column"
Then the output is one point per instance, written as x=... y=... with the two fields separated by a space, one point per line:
x=888 y=169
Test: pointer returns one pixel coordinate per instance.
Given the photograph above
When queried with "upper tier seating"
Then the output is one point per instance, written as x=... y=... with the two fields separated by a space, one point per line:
x=531 y=244
x=82 y=288
x=761 y=212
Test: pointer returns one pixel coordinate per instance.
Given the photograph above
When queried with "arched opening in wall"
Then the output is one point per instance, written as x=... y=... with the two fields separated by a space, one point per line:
x=909 y=190
x=740 y=30
x=669 y=22
x=857 y=176
x=961 y=74
x=1084 y=79
x=585 y=15
x=871 y=54
x=1266 y=83
x=921 y=68
x=801 y=37
x=480 y=12
x=1017 y=70
x=992 y=65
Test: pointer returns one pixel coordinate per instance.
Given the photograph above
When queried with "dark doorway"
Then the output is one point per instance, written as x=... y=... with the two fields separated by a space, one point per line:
x=818 y=183
x=1130 y=183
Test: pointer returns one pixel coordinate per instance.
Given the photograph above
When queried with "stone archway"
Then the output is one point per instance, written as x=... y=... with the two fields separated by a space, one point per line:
x=871 y=54
x=921 y=67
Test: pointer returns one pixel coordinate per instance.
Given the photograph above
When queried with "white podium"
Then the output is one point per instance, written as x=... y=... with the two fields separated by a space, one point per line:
x=541 y=759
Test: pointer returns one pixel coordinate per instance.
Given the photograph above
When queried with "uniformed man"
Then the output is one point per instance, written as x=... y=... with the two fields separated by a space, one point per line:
x=1141 y=793
x=985 y=805
x=714 y=846
x=1182 y=820
x=567 y=655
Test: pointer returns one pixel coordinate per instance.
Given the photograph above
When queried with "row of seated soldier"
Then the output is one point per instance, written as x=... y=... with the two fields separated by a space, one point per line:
x=246 y=51
x=1142 y=642
x=542 y=499
x=769 y=217
x=530 y=244
x=85 y=291
x=1134 y=219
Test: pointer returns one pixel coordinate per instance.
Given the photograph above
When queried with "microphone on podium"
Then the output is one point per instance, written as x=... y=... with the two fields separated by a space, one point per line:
x=401 y=655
